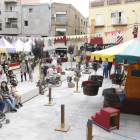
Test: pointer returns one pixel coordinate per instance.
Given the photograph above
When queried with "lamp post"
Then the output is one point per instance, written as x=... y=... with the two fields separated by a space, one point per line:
x=136 y=14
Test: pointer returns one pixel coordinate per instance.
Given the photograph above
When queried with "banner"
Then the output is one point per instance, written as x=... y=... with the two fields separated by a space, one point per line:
x=92 y=28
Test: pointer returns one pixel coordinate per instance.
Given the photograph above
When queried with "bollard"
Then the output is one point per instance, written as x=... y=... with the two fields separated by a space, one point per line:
x=89 y=133
x=50 y=102
x=77 y=88
x=62 y=127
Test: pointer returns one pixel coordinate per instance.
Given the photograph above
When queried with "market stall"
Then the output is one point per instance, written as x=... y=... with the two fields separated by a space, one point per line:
x=130 y=51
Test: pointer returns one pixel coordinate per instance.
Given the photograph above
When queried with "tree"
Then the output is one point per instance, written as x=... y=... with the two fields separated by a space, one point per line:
x=37 y=49
x=71 y=48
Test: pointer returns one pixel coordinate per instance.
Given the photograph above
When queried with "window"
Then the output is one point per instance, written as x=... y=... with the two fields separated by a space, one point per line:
x=113 y=14
x=75 y=32
x=60 y=18
x=81 y=22
x=30 y=10
x=75 y=17
x=25 y=23
x=14 y=24
x=81 y=33
x=13 y=8
x=0 y=26
x=60 y=31
x=98 y=33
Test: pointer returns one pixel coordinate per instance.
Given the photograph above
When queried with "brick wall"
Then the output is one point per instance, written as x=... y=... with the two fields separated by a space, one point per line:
x=30 y=1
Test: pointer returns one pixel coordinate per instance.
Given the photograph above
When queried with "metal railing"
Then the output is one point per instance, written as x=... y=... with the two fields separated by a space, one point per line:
x=11 y=26
x=61 y=19
x=101 y=22
x=119 y=20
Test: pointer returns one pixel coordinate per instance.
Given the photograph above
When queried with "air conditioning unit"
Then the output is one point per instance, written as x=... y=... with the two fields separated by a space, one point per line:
x=7 y=20
x=54 y=15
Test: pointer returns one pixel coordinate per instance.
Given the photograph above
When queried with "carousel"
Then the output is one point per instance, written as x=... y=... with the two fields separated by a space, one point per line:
x=126 y=99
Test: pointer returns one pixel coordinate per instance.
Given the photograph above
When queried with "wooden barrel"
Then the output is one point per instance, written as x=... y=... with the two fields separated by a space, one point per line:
x=99 y=77
x=91 y=90
x=117 y=79
x=111 y=98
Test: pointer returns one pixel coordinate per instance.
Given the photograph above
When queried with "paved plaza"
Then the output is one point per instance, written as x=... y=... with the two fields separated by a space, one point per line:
x=34 y=121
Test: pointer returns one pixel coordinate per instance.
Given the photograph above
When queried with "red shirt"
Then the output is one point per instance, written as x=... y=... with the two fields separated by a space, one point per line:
x=116 y=64
x=59 y=68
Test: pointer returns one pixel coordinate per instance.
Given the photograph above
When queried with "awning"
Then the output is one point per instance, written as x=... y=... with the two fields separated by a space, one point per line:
x=110 y=52
x=48 y=48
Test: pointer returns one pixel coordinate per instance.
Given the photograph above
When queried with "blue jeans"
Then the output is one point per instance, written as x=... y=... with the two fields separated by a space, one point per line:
x=105 y=72
x=116 y=69
x=10 y=102
x=2 y=105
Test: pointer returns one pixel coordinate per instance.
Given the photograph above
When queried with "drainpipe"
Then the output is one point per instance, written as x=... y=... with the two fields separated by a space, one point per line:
x=21 y=20
x=107 y=20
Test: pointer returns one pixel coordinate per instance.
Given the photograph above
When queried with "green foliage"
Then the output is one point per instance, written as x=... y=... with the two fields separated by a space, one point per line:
x=23 y=56
x=37 y=50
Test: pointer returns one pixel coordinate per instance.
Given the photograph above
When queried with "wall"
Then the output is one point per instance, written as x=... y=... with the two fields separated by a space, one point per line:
x=38 y=20
x=126 y=7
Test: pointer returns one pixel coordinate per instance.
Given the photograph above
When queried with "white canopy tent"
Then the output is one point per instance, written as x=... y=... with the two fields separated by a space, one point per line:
x=20 y=46
x=6 y=47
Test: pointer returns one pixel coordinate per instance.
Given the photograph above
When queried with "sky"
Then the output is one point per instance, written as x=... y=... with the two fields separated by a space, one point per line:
x=81 y=5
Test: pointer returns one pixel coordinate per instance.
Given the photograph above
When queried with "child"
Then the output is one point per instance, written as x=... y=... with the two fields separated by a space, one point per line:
x=15 y=94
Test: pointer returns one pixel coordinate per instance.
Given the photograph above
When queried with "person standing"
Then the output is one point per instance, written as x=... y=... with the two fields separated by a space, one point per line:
x=116 y=67
x=109 y=66
x=59 y=61
x=50 y=71
x=81 y=57
x=105 y=63
x=30 y=71
x=59 y=68
x=23 y=70
x=26 y=60
x=61 y=54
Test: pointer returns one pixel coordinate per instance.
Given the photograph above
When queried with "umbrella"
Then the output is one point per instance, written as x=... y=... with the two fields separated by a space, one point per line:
x=6 y=47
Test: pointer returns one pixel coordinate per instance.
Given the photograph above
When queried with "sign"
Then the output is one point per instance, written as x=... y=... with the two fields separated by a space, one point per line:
x=135 y=73
x=92 y=28
x=135 y=66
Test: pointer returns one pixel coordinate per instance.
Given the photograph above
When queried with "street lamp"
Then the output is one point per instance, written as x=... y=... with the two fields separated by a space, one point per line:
x=136 y=14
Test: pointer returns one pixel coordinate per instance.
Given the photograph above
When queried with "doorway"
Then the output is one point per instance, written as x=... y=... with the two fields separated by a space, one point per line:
x=120 y=17
x=98 y=18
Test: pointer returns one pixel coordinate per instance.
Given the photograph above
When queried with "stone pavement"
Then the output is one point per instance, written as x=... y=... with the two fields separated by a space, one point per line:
x=37 y=122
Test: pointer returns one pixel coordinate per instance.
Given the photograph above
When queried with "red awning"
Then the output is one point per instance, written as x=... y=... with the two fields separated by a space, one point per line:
x=61 y=40
x=96 y=40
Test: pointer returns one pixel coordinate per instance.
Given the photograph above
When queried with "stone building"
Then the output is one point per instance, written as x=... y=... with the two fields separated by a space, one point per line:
x=10 y=17
x=30 y=1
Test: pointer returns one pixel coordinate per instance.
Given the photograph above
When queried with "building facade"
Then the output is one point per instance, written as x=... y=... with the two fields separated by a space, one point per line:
x=67 y=20
x=30 y=1
x=10 y=17
x=112 y=15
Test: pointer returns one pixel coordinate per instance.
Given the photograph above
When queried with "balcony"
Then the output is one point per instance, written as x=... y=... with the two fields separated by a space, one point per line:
x=11 y=14
x=97 y=3
x=9 y=30
x=119 y=21
x=10 y=1
x=61 y=21
x=100 y=23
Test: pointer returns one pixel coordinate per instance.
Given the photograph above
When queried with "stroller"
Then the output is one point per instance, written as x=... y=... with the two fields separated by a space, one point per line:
x=2 y=118
x=12 y=77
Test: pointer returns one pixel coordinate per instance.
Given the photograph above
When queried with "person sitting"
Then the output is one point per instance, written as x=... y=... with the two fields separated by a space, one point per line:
x=59 y=67
x=50 y=71
x=7 y=97
x=2 y=103
x=16 y=95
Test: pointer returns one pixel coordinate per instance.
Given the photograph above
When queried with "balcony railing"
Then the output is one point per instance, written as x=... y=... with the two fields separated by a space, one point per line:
x=11 y=14
x=61 y=19
x=97 y=3
x=11 y=26
x=112 y=2
x=10 y=1
x=119 y=21
x=100 y=23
